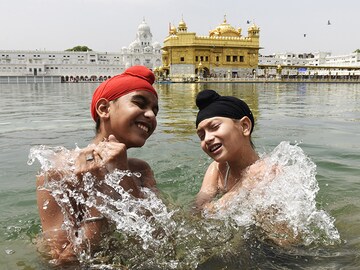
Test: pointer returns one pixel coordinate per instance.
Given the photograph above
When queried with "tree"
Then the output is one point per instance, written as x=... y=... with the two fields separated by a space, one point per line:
x=357 y=51
x=79 y=49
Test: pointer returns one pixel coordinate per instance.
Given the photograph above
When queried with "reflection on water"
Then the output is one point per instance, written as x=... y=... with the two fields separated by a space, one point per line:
x=178 y=101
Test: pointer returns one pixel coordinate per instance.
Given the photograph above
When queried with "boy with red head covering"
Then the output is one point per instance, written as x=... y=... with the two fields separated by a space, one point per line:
x=134 y=78
x=124 y=108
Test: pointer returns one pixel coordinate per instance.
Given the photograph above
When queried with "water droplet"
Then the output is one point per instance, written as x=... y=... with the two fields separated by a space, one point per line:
x=45 y=204
x=9 y=251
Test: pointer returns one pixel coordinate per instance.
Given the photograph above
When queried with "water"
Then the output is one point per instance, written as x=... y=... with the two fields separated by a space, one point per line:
x=321 y=119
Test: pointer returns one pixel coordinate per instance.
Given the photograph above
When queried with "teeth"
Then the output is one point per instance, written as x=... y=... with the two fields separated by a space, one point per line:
x=143 y=127
x=215 y=147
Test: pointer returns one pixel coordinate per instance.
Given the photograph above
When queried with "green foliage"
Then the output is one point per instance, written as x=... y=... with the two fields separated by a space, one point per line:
x=79 y=49
x=357 y=51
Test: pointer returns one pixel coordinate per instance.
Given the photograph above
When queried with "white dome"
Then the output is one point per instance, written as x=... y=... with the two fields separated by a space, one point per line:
x=156 y=45
x=143 y=27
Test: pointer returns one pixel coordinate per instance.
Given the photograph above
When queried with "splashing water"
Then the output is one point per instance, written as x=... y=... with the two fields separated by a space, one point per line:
x=288 y=199
x=148 y=234
x=144 y=226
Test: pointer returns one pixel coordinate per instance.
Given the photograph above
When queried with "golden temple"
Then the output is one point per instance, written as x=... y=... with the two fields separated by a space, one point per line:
x=224 y=53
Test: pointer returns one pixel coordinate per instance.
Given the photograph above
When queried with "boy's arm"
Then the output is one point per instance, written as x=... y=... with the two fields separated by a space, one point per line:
x=209 y=188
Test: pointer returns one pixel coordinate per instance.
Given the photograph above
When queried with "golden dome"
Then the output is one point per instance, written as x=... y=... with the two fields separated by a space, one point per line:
x=254 y=31
x=182 y=23
x=172 y=30
x=254 y=27
x=182 y=26
x=225 y=30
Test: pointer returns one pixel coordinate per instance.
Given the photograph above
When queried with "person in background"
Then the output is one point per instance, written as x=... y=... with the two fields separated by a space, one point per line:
x=124 y=109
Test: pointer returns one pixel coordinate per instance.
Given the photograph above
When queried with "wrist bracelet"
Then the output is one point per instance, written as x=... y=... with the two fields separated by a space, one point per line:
x=92 y=219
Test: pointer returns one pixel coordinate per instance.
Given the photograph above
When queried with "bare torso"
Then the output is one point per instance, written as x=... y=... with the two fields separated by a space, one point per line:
x=54 y=237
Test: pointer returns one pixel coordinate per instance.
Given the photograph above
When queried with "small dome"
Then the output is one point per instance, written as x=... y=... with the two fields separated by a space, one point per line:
x=172 y=30
x=254 y=27
x=156 y=45
x=182 y=23
x=143 y=26
x=182 y=26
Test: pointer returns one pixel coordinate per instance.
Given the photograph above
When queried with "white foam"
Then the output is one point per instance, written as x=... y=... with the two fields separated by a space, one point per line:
x=155 y=235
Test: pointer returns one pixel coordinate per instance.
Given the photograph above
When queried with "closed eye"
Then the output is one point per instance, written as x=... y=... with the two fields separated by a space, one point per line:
x=214 y=126
x=139 y=101
x=143 y=103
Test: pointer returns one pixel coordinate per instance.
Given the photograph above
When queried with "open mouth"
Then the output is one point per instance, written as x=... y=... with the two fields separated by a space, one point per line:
x=143 y=126
x=214 y=147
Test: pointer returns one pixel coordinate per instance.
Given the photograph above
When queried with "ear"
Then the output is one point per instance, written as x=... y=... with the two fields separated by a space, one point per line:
x=246 y=125
x=103 y=108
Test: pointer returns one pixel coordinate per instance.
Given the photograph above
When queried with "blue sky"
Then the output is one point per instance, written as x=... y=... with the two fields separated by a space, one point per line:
x=108 y=25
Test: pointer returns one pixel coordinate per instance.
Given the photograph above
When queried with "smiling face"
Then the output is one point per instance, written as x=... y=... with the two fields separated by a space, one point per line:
x=221 y=138
x=132 y=118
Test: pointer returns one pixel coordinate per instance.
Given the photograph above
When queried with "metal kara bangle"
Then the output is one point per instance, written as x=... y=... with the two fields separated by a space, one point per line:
x=93 y=219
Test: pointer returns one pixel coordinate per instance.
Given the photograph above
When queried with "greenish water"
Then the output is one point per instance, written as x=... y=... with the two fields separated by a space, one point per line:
x=322 y=118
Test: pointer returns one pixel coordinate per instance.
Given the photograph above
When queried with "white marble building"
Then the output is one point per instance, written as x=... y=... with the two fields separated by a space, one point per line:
x=142 y=51
x=82 y=66
x=309 y=65
x=311 y=59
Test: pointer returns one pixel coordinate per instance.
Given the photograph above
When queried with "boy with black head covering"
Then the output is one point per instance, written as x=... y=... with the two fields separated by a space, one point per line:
x=224 y=125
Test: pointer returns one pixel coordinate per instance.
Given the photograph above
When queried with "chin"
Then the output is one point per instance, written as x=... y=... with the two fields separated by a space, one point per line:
x=136 y=144
x=219 y=158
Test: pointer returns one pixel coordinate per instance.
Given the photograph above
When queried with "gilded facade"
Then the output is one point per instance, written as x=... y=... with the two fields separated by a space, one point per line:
x=224 y=53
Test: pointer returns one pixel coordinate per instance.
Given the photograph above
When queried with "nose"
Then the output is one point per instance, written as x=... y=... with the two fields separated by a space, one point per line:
x=209 y=137
x=150 y=114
